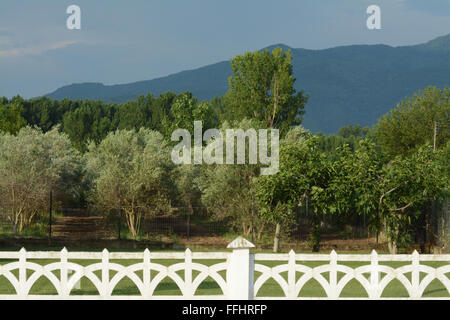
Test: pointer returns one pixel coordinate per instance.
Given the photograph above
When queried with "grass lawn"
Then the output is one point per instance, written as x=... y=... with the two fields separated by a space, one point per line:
x=209 y=287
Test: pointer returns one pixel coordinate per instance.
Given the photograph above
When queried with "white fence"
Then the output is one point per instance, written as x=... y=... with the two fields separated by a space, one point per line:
x=235 y=276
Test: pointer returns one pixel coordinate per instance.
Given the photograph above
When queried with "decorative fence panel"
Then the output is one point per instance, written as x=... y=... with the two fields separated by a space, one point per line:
x=373 y=276
x=237 y=275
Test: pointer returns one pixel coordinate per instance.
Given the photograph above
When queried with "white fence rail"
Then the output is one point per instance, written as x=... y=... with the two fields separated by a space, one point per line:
x=240 y=275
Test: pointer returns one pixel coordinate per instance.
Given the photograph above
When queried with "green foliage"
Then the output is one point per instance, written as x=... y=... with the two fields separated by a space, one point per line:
x=11 y=119
x=184 y=110
x=228 y=191
x=355 y=182
x=414 y=122
x=350 y=130
x=409 y=184
x=86 y=121
x=131 y=171
x=91 y=121
x=304 y=173
x=33 y=163
x=262 y=88
x=349 y=135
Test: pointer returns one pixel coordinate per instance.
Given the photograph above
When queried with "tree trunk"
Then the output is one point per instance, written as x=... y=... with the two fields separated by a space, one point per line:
x=260 y=232
x=246 y=228
x=130 y=215
x=381 y=233
x=15 y=229
x=392 y=247
x=276 y=240
x=392 y=243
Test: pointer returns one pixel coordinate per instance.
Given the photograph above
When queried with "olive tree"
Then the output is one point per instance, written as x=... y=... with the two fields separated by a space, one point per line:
x=33 y=163
x=131 y=171
x=228 y=190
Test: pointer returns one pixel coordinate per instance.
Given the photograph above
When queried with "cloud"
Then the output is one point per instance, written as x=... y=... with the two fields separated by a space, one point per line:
x=6 y=33
x=36 y=50
x=433 y=7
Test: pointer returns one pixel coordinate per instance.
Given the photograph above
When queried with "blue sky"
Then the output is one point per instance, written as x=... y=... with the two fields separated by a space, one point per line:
x=126 y=41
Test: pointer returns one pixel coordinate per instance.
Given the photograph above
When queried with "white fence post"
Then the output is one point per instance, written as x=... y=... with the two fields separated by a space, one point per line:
x=291 y=275
x=415 y=275
x=374 y=292
x=104 y=292
x=188 y=294
x=333 y=275
x=240 y=270
x=64 y=273
x=22 y=292
x=146 y=274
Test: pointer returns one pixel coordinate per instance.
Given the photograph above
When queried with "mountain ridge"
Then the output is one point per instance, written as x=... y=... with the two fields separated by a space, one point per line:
x=351 y=84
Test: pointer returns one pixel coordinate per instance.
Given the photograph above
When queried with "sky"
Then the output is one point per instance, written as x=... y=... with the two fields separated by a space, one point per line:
x=127 y=41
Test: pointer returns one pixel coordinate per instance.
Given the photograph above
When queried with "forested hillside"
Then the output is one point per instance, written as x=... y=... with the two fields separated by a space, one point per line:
x=347 y=85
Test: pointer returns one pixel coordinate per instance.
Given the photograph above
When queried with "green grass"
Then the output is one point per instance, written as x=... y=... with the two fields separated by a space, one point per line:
x=210 y=287
x=38 y=229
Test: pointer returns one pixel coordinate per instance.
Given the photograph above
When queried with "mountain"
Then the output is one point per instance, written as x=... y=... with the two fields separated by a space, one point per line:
x=347 y=85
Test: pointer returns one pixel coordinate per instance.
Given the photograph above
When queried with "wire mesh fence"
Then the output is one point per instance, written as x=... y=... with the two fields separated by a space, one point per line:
x=441 y=225
x=90 y=223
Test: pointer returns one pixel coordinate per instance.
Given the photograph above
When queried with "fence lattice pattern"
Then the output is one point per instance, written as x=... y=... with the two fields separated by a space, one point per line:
x=231 y=275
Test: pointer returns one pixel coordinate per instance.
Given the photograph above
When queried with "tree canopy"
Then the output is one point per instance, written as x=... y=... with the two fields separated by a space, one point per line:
x=424 y=118
x=262 y=88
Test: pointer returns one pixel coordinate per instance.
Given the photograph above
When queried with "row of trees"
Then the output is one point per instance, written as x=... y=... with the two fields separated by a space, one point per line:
x=86 y=121
x=117 y=157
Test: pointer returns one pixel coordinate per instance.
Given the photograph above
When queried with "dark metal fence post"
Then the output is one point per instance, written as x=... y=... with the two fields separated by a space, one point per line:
x=50 y=218
x=119 y=220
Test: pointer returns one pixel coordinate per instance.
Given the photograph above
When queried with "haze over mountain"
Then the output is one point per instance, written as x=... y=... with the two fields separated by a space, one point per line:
x=347 y=85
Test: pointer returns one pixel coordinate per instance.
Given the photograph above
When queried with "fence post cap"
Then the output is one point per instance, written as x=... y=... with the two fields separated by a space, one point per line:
x=240 y=243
